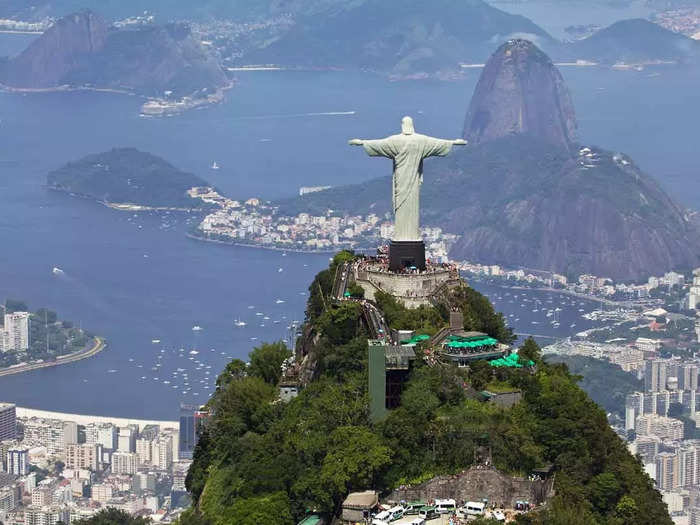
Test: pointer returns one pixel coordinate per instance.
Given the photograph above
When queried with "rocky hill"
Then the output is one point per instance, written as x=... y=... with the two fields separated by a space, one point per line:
x=81 y=50
x=47 y=60
x=521 y=92
x=527 y=195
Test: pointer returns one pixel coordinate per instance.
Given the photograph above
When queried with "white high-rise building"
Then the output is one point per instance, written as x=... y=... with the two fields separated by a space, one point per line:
x=125 y=463
x=143 y=450
x=162 y=452
x=16 y=332
x=127 y=438
x=694 y=294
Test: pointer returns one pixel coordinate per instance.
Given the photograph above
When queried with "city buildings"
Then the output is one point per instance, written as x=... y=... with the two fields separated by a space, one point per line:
x=8 y=421
x=659 y=426
x=93 y=477
x=18 y=461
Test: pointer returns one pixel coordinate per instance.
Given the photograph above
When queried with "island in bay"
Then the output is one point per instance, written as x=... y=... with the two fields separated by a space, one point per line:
x=126 y=178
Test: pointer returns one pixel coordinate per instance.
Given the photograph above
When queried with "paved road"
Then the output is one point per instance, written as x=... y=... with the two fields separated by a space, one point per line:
x=98 y=345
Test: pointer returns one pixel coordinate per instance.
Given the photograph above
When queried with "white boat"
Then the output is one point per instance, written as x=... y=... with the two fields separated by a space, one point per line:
x=196 y=328
x=237 y=322
x=279 y=270
x=215 y=166
x=193 y=352
x=155 y=341
x=57 y=271
x=279 y=301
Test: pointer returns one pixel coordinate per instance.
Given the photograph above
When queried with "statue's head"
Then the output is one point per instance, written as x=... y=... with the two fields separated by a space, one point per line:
x=407 y=126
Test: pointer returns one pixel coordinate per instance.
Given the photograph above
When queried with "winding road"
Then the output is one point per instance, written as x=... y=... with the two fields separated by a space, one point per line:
x=97 y=346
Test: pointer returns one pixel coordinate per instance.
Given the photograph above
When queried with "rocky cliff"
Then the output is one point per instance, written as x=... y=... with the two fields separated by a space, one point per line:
x=81 y=50
x=61 y=49
x=521 y=92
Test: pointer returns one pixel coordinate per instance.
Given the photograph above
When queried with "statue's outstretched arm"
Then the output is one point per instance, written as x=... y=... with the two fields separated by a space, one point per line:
x=459 y=142
x=356 y=142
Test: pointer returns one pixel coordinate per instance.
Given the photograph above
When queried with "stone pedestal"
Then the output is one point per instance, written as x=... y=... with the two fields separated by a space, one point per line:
x=404 y=254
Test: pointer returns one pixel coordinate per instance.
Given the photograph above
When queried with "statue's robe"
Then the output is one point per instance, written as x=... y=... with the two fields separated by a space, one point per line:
x=407 y=152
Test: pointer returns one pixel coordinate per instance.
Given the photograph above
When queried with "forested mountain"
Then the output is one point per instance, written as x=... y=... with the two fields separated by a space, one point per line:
x=127 y=176
x=262 y=461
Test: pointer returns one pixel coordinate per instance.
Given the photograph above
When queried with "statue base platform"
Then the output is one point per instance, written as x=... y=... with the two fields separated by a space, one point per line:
x=406 y=254
x=412 y=288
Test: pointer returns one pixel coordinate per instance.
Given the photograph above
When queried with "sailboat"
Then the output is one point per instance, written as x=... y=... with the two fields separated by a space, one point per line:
x=214 y=166
x=238 y=322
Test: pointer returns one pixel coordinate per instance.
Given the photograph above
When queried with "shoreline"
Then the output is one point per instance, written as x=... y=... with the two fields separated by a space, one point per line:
x=121 y=206
x=81 y=419
x=150 y=107
x=98 y=345
x=260 y=246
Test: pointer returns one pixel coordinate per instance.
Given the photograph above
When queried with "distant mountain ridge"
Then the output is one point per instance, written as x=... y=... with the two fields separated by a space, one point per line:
x=633 y=41
x=82 y=50
x=403 y=36
x=523 y=197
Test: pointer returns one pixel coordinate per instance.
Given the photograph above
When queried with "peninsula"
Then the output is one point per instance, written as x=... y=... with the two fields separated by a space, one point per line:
x=33 y=340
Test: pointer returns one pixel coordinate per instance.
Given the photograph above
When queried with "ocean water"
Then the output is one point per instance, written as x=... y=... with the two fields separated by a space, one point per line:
x=135 y=278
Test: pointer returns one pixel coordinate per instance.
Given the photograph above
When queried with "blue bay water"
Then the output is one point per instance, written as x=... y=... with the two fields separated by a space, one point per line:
x=135 y=278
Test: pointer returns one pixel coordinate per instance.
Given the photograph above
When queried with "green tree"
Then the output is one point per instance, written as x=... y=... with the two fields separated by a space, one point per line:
x=530 y=351
x=480 y=374
x=354 y=460
x=266 y=361
x=235 y=369
x=340 y=323
x=270 y=509
x=356 y=291
x=604 y=491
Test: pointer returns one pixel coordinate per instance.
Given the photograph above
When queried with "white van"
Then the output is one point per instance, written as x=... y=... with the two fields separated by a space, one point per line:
x=445 y=506
x=471 y=508
x=396 y=513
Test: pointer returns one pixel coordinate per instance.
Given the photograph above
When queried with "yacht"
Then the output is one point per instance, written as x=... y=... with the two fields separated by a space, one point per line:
x=57 y=271
x=238 y=322
x=196 y=328
x=215 y=166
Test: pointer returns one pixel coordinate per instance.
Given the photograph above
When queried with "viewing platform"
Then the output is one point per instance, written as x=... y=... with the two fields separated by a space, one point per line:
x=411 y=286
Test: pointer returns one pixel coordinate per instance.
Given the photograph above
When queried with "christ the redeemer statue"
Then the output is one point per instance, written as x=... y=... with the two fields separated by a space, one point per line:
x=407 y=150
